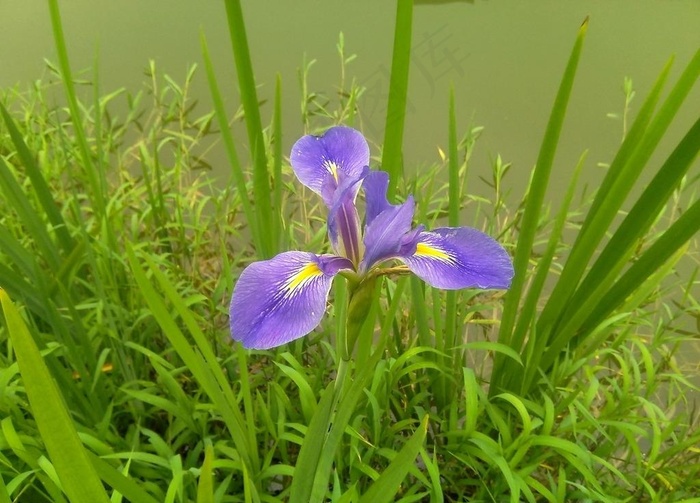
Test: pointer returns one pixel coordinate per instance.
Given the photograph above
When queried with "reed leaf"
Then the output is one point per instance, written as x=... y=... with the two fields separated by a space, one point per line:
x=76 y=473
x=392 y=155
x=533 y=204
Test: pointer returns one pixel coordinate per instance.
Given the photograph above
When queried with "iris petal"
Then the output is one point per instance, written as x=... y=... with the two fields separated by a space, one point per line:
x=388 y=226
x=323 y=161
x=459 y=257
x=278 y=300
x=343 y=219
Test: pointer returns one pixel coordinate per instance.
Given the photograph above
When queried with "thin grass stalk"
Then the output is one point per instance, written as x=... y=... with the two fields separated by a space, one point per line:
x=95 y=178
x=454 y=206
x=392 y=155
x=277 y=161
x=527 y=314
x=230 y=148
x=249 y=99
x=533 y=205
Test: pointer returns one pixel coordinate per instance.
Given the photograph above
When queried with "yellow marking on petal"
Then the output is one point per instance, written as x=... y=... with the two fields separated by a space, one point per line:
x=332 y=168
x=303 y=276
x=426 y=250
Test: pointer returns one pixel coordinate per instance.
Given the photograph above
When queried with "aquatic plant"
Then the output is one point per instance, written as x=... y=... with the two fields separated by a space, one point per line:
x=278 y=300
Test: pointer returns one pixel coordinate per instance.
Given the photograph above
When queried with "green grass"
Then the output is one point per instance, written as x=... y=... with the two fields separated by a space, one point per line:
x=118 y=255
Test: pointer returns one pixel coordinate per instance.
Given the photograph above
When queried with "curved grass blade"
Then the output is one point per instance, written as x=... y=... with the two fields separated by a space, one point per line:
x=68 y=455
x=387 y=485
x=206 y=373
x=124 y=485
x=41 y=188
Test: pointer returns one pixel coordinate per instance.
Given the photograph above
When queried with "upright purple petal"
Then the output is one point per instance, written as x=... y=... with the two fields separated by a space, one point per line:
x=452 y=258
x=375 y=186
x=388 y=234
x=278 y=300
x=344 y=221
x=341 y=152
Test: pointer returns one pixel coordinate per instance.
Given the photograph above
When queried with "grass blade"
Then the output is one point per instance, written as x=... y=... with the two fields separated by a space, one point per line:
x=535 y=198
x=95 y=178
x=249 y=99
x=230 y=147
x=608 y=203
x=512 y=372
x=41 y=188
x=387 y=485
x=392 y=155
x=73 y=467
x=307 y=462
x=205 y=488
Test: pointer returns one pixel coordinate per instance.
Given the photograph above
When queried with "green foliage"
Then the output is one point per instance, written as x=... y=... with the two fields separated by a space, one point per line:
x=119 y=251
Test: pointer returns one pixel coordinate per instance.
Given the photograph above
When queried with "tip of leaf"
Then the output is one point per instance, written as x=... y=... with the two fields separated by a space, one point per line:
x=584 y=25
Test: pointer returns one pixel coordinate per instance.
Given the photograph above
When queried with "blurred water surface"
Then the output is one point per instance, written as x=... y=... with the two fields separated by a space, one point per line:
x=504 y=60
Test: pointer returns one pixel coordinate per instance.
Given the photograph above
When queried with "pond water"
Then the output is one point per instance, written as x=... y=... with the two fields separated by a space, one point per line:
x=504 y=60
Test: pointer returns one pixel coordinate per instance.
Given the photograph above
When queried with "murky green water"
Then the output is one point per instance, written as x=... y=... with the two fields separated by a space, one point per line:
x=503 y=58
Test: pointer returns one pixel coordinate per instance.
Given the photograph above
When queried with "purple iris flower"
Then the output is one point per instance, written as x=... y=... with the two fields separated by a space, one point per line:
x=279 y=300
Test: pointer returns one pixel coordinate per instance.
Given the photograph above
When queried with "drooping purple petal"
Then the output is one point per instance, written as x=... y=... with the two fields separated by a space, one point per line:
x=452 y=258
x=278 y=300
x=341 y=152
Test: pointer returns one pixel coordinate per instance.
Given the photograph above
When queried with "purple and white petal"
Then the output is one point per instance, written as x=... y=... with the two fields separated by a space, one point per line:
x=341 y=152
x=388 y=234
x=278 y=300
x=452 y=258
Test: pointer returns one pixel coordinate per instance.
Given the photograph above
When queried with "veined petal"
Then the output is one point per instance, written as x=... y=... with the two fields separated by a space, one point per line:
x=278 y=300
x=344 y=221
x=452 y=258
x=388 y=234
x=341 y=152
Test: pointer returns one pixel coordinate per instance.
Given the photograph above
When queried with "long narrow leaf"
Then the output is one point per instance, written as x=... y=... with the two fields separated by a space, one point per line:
x=607 y=204
x=387 y=485
x=230 y=146
x=535 y=197
x=41 y=188
x=70 y=459
x=249 y=99
x=392 y=156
